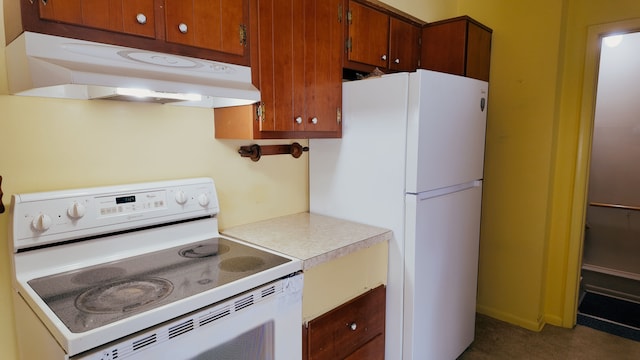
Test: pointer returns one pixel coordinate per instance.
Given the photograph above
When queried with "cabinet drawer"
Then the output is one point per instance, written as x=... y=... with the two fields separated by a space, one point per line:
x=347 y=328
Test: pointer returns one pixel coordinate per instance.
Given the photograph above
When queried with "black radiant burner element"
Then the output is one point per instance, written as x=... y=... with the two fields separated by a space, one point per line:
x=241 y=264
x=204 y=250
x=123 y=296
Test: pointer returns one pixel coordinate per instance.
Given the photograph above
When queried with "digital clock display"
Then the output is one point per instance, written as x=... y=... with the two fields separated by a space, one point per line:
x=125 y=199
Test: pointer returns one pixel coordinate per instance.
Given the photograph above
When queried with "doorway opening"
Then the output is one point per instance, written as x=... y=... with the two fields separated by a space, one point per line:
x=610 y=270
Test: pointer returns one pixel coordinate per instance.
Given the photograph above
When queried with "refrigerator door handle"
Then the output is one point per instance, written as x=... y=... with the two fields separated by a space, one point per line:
x=449 y=190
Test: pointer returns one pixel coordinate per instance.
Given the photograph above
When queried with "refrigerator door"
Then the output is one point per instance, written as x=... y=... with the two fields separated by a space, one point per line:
x=441 y=259
x=446 y=130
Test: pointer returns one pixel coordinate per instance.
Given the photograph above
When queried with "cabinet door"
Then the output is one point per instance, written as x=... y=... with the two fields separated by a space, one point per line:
x=478 y=52
x=211 y=24
x=323 y=65
x=458 y=46
x=300 y=67
x=281 y=62
x=444 y=47
x=404 y=45
x=127 y=16
x=354 y=329
x=373 y=350
x=368 y=35
x=69 y=11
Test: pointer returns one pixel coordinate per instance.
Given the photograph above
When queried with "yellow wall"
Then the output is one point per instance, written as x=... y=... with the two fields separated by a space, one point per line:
x=574 y=125
x=48 y=144
x=519 y=152
x=538 y=142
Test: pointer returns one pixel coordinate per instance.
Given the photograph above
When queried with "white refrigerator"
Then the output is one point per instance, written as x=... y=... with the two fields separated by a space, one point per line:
x=411 y=160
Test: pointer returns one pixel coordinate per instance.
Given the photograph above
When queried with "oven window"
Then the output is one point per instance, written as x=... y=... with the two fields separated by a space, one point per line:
x=257 y=343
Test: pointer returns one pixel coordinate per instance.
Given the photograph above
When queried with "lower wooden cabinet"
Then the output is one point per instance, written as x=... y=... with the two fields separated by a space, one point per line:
x=353 y=330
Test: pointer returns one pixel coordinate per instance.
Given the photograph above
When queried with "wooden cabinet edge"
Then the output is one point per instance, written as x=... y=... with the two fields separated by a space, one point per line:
x=241 y=123
x=458 y=18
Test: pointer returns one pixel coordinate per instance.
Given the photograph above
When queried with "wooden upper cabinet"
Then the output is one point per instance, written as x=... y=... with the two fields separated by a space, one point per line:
x=378 y=38
x=134 y=17
x=323 y=66
x=216 y=30
x=298 y=69
x=404 y=45
x=368 y=35
x=460 y=46
x=211 y=24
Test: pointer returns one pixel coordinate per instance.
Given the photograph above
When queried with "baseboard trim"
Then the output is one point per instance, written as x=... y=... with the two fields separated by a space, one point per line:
x=510 y=318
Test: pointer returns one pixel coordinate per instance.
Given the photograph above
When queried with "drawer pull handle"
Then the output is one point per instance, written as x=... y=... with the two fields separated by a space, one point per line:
x=353 y=326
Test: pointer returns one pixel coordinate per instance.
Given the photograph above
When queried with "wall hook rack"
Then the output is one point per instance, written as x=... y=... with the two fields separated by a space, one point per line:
x=255 y=151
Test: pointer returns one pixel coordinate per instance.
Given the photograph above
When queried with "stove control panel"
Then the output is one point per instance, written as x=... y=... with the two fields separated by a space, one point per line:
x=129 y=204
x=44 y=218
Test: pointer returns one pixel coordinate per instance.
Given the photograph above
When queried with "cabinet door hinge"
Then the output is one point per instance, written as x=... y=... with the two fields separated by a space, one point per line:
x=347 y=44
x=340 y=13
x=349 y=18
x=338 y=115
x=243 y=35
x=260 y=112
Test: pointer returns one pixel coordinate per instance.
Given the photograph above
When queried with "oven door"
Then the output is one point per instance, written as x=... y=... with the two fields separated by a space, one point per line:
x=261 y=324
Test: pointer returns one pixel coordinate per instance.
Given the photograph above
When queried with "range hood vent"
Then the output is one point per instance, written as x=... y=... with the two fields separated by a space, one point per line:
x=53 y=66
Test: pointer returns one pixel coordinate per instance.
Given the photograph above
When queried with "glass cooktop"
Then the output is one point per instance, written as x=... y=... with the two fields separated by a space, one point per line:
x=91 y=297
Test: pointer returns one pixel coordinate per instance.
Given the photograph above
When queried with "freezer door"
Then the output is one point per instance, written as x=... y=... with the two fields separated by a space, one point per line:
x=441 y=259
x=445 y=131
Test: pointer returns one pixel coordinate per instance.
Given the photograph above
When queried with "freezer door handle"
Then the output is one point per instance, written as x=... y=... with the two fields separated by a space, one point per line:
x=449 y=190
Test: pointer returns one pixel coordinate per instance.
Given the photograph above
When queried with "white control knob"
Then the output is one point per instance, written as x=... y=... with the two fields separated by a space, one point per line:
x=203 y=200
x=76 y=210
x=181 y=197
x=41 y=223
x=141 y=19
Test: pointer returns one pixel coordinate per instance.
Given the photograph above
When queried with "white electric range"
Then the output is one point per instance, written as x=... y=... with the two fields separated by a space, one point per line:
x=140 y=271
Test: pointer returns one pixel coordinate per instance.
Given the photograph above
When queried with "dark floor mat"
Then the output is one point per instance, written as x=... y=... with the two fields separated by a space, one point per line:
x=615 y=316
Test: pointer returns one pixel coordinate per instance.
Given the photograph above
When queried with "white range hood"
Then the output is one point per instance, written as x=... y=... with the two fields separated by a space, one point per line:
x=53 y=66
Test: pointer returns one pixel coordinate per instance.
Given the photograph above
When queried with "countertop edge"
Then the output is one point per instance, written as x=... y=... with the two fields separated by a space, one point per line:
x=345 y=250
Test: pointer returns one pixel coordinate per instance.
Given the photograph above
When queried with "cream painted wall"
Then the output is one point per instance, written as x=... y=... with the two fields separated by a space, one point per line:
x=48 y=144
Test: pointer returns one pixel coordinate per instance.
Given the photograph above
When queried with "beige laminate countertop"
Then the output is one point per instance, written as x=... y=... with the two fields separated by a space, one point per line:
x=312 y=238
